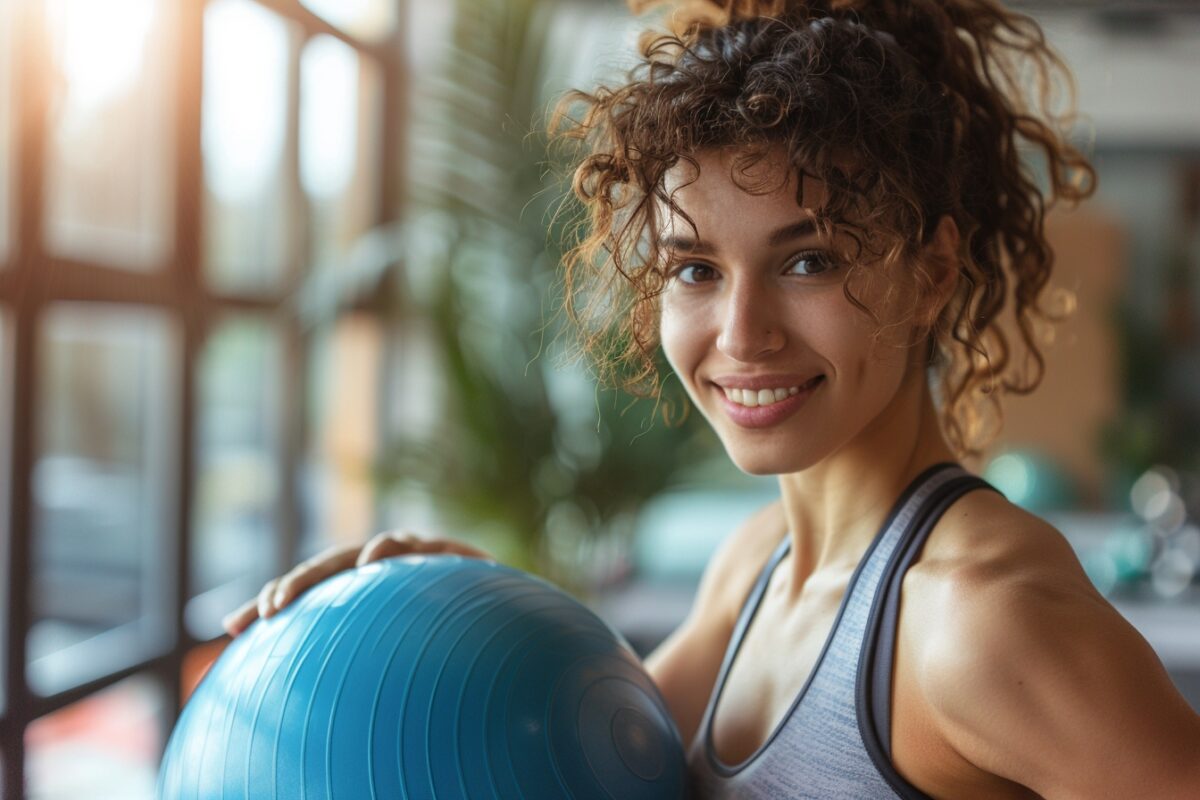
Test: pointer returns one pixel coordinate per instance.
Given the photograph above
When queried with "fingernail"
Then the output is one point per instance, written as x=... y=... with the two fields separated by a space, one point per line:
x=277 y=599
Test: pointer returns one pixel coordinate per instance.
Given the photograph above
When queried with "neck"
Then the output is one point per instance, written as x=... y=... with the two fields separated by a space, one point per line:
x=835 y=508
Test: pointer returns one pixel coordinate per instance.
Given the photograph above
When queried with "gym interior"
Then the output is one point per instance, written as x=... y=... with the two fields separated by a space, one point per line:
x=277 y=275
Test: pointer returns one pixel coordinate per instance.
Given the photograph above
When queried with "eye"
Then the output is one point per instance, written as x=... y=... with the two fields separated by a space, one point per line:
x=693 y=273
x=816 y=262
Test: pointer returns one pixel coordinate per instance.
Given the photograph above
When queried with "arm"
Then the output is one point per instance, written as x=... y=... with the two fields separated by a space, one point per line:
x=685 y=665
x=1043 y=683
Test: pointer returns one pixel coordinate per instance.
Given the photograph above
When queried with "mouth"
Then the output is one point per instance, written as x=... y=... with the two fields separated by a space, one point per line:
x=764 y=398
x=768 y=414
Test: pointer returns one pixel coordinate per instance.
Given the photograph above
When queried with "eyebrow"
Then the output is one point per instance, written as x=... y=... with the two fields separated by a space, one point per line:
x=787 y=233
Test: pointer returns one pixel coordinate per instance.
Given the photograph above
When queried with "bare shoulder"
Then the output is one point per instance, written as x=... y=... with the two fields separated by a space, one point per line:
x=985 y=538
x=984 y=553
x=1031 y=675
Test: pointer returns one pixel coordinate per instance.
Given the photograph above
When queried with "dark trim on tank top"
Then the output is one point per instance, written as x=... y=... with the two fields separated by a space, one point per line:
x=750 y=608
x=872 y=691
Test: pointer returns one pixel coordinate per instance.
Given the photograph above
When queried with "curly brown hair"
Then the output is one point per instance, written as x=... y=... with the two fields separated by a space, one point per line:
x=907 y=110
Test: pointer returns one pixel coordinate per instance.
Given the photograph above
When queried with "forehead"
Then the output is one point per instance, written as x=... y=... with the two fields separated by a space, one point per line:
x=723 y=183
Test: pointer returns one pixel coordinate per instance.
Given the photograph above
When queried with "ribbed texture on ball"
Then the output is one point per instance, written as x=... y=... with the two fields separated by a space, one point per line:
x=426 y=677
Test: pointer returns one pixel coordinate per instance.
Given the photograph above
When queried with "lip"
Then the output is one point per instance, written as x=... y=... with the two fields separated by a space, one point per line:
x=766 y=416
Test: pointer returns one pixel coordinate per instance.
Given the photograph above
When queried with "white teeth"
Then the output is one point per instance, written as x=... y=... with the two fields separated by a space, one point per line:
x=763 y=397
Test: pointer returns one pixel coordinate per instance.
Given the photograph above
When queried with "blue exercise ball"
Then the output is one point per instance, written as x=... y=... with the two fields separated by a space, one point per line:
x=426 y=677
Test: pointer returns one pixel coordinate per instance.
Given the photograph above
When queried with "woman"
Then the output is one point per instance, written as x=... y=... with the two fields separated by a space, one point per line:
x=816 y=209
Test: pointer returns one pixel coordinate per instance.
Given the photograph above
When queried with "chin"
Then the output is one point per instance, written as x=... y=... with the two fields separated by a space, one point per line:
x=768 y=461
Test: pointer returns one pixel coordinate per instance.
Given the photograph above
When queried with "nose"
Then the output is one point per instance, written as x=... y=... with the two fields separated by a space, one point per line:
x=751 y=325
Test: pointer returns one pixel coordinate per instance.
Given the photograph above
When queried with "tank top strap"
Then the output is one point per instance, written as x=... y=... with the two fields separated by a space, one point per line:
x=874 y=679
x=904 y=514
x=819 y=748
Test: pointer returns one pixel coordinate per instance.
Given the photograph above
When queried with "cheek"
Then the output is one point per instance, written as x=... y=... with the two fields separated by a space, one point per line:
x=842 y=335
x=826 y=326
x=682 y=341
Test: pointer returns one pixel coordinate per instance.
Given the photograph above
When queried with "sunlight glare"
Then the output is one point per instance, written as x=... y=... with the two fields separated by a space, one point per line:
x=245 y=96
x=100 y=47
x=328 y=116
x=367 y=18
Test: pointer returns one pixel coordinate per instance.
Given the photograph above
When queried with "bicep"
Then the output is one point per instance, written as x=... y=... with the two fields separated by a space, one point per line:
x=1056 y=691
x=684 y=667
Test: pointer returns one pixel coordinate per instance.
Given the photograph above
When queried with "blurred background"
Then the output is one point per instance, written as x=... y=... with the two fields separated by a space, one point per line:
x=278 y=274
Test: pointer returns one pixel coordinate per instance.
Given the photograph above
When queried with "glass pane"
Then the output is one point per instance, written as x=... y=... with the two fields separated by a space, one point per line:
x=367 y=19
x=102 y=492
x=8 y=20
x=345 y=366
x=104 y=746
x=245 y=138
x=340 y=113
x=109 y=154
x=235 y=549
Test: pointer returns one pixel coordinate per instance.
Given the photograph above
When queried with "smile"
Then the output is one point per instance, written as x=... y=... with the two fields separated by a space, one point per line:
x=763 y=408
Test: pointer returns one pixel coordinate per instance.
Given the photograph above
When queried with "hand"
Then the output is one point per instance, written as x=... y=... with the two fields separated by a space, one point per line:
x=278 y=592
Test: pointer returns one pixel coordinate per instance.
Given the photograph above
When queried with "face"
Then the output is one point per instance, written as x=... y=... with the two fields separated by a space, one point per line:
x=757 y=327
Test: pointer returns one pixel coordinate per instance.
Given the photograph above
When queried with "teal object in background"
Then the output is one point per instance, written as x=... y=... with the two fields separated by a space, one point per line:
x=1114 y=549
x=678 y=532
x=1032 y=480
x=426 y=677
x=1131 y=550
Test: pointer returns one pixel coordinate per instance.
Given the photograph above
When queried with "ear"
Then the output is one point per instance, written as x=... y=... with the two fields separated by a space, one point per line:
x=940 y=256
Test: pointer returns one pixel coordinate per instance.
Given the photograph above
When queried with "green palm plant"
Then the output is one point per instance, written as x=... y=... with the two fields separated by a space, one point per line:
x=528 y=457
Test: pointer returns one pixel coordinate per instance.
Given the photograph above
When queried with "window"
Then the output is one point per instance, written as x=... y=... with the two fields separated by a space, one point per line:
x=369 y=19
x=249 y=235
x=185 y=166
x=344 y=387
x=339 y=125
x=102 y=492
x=238 y=477
x=109 y=144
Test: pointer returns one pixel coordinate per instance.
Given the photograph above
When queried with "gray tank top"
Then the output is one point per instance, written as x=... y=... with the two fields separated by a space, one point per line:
x=834 y=742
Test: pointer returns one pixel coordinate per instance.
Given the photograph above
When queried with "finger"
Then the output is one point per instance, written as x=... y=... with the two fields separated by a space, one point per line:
x=265 y=607
x=405 y=544
x=236 y=621
x=310 y=573
x=387 y=545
